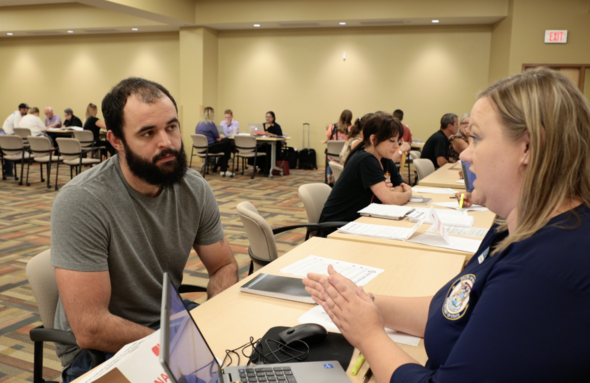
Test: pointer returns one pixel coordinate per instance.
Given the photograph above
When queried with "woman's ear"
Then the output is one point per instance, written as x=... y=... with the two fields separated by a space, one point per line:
x=526 y=148
x=372 y=139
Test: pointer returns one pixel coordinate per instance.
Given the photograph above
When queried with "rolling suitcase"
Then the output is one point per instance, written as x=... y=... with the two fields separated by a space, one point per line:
x=307 y=156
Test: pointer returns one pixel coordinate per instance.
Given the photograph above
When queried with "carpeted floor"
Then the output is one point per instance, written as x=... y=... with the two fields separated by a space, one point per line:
x=24 y=232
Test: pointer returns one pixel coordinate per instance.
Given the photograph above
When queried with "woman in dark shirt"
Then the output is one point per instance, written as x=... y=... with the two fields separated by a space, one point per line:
x=93 y=124
x=369 y=174
x=519 y=310
x=270 y=126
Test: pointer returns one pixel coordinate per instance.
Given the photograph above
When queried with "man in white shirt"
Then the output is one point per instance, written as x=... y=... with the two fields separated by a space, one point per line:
x=13 y=120
x=34 y=123
x=10 y=123
x=229 y=125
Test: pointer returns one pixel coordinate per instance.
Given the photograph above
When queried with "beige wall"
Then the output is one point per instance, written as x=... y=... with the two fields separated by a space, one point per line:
x=301 y=76
x=72 y=71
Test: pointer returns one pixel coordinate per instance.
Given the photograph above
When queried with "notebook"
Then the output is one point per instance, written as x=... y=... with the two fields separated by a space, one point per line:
x=277 y=286
x=187 y=358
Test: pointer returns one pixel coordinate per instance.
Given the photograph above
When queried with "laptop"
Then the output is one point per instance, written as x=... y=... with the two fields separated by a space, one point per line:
x=187 y=358
x=220 y=130
x=468 y=176
x=256 y=129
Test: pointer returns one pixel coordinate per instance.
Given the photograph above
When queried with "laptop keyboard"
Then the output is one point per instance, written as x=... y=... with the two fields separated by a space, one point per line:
x=267 y=375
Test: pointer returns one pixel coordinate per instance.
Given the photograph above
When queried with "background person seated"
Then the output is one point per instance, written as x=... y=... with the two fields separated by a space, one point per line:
x=369 y=175
x=93 y=124
x=34 y=123
x=207 y=127
x=52 y=120
x=70 y=119
x=230 y=126
x=437 y=147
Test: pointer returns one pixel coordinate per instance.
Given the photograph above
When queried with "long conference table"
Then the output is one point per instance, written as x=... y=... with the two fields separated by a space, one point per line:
x=447 y=176
x=482 y=219
x=229 y=319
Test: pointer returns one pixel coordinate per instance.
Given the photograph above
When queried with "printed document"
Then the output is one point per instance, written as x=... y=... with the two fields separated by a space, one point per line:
x=359 y=274
x=475 y=232
x=448 y=217
x=433 y=190
x=455 y=243
x=319 y=316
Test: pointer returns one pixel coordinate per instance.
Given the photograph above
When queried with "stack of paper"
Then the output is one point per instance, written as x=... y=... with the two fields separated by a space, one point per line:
x=433 y=190
x=386 y=211
x=447 y=217
x=380 y=231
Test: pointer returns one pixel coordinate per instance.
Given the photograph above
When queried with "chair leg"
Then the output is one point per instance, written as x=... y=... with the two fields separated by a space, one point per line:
x=41 y=169
x=38 y=363
x=28 y=168
x=49 y=172
x=56 y=173
x=254 y=172
x=22 y=167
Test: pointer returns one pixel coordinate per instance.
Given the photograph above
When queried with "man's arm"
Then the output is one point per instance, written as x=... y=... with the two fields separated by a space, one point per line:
x=85 y=297
x=221 y=266
x=441 y=161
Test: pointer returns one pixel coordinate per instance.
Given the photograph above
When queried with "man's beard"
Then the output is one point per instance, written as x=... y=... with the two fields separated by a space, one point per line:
x=166 y=175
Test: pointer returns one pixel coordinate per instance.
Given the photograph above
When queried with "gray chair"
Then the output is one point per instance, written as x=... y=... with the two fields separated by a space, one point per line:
x=73 y=155
x=86 y=139
x=336 y=169
x=332 y=151
x=23 y=133
x=423 y=167
x=314 y=197
x=13 y=149
x=201 y=144
x=246 y=148
x=263 y=248
x=42 y=152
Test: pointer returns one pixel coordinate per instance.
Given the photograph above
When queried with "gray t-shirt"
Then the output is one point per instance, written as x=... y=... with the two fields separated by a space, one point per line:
x=99 y=222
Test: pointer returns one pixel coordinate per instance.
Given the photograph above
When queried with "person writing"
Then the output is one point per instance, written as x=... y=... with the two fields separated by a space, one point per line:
x=524 y=295
x=369 y=174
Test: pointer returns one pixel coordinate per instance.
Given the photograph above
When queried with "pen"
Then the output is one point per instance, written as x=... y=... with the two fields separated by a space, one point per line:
x=368 y=375
x=453 y=197
x=357 y=365
x=461 y=202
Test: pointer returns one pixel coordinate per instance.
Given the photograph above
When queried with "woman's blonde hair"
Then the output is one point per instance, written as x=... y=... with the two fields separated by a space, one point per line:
x=208 y=114
x=550 y=108
x=90 y=109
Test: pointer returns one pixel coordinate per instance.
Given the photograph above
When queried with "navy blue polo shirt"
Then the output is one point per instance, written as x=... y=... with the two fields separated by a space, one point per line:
x=521 y=315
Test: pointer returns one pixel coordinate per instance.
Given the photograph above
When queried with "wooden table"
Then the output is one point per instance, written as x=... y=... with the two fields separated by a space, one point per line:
x=444 y=177
x=273 y=153
x=417 y=145
x=483 y=219
x=228 y=320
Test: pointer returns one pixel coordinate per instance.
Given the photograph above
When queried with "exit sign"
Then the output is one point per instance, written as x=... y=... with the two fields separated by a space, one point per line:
x=555 y=37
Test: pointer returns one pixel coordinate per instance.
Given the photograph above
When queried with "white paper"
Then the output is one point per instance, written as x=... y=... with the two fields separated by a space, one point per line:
x=456 y=243
x=475 y=232
x=448 y=217
x=359 y=274
x=379 y=231
x=319 y=316
x=393 y=211
x=455 y=205
x=460 y=181
x=439 y=226
x=433 y=190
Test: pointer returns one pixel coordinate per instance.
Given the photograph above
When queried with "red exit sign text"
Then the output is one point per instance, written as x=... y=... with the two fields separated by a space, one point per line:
x=555 y=37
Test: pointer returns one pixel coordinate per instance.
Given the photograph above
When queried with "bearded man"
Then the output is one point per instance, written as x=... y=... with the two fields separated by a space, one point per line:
x=116 y=228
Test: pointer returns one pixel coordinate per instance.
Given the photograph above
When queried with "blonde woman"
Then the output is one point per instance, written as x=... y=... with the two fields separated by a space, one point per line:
x=93 y=124
x=207 y=127
x=519 y=311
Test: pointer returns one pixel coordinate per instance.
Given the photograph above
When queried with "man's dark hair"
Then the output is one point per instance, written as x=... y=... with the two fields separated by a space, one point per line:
x=447 y=119
x=399 y=114
x=114 y=102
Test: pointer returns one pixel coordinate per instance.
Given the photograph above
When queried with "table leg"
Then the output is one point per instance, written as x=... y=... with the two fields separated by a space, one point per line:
x=273 y=159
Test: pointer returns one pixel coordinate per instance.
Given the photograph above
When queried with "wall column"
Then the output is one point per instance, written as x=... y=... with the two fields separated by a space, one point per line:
x=198 y=78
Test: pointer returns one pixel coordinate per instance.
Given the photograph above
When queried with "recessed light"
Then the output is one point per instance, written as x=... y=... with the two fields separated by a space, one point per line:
x=70 y=31
x=342 y=23
x=435 y=21
x=134 y=29
x=9 y=33
x=257 y=25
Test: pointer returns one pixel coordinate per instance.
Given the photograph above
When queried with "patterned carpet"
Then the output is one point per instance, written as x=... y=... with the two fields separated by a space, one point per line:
x=24 y=232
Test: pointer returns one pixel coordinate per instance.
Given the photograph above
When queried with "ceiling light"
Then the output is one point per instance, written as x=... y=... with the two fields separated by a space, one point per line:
x=9 y=33
x=70 y=31
x=342 y=23
x=257 y=25
x=435 y=21
x=134 y=29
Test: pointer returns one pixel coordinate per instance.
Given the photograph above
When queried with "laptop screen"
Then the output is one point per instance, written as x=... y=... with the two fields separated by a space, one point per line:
x=468 y=176
x=184 y=353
